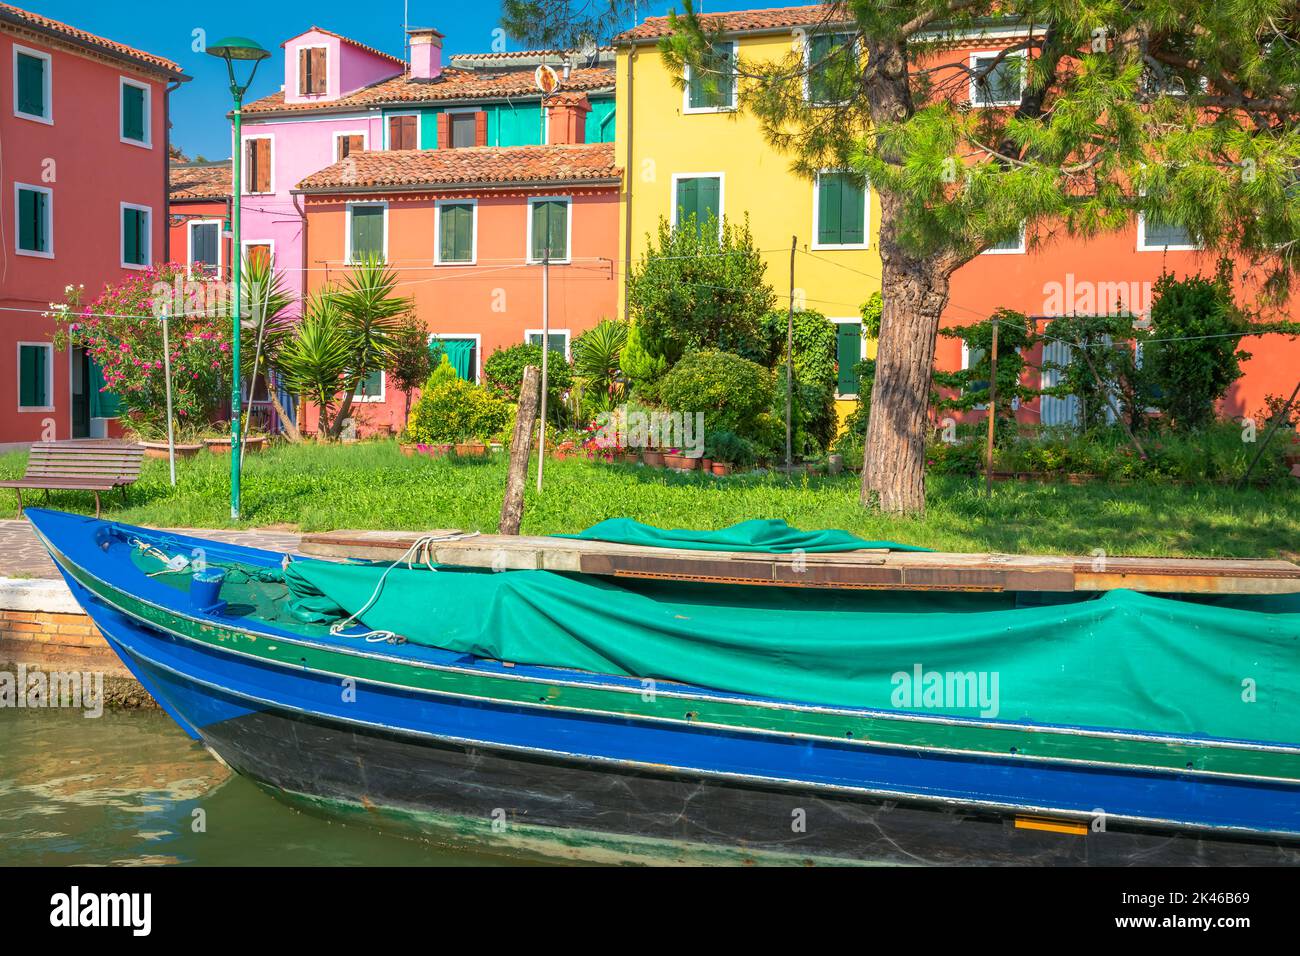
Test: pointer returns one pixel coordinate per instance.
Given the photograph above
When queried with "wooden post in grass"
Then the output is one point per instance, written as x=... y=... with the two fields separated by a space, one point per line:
x=993 y=410
x=512 y=507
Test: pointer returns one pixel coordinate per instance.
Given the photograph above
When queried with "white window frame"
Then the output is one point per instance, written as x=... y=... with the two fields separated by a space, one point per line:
x=1019 y=250
x=985 y=54
x=245 y=243
x=48 y=119
x=297 y=74
x=49 y=377
x=437 y=231
x=478 y=348
x=365 y=141
x=568 y=232
x=862 y=349
x=807 y=65
x=246 y=182
x=1143 y=246
x=722 y=195
x=470 y=112
x=568 y=339
x=688 y=110
x=49 y=207
x=347 y=236
x=373 y=399
x=388 y=116
x=121 y=236
x=189 y=245
x=147 y=142
x=816 y=212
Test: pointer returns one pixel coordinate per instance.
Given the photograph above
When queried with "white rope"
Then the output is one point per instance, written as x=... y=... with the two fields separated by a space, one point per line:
x=421 y=551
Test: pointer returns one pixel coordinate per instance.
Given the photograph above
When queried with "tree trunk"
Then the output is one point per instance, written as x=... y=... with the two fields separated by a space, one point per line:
x=893 y=466
x=512 y=506
x=336 y=429
x=290 y=426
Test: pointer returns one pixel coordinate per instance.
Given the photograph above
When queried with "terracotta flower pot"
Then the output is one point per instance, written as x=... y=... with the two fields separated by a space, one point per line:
x=629 y=458
x=158 y=449
x=652 y=459
x=471 y=449
x=221 y=446
x=706 y=465
x=721 y=468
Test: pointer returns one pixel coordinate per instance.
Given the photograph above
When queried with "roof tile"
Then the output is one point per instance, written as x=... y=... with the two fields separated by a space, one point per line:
x=198 y=181
x=473 y=166
x=739 y=21
x=13 y=14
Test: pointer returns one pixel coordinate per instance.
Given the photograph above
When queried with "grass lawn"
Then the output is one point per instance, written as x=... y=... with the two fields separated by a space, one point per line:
x=372 y=485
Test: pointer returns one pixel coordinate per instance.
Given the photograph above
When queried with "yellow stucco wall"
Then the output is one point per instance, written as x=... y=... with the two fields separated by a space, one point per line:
x=664 y=140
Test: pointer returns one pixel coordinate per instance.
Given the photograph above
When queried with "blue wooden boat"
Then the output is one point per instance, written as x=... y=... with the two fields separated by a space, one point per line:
x=559 y=761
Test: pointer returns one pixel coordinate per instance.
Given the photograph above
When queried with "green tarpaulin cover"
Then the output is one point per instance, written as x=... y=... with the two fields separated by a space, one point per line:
x=1225 y=668
x=770 y=536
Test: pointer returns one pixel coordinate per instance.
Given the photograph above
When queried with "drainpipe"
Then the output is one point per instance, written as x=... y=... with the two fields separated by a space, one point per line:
x=302 y=244
x=172 y=87
x=628 y=177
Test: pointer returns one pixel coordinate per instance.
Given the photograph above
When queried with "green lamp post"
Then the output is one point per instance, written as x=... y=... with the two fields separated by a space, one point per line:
x=230 y=50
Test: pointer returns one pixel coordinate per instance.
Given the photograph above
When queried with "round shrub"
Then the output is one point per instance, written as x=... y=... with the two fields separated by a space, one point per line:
x=503 y=372
x=453 y=410
x=731 y=391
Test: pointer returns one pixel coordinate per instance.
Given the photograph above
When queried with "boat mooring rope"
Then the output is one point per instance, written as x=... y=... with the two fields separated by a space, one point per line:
x=420 y=552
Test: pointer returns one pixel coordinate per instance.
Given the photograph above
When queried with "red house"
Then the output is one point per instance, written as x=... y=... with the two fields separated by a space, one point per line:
x=83 y=196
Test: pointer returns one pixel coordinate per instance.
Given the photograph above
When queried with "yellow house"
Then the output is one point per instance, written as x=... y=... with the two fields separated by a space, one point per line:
x=691 y=150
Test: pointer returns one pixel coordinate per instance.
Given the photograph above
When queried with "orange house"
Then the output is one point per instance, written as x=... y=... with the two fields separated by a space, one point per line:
x=468 y=232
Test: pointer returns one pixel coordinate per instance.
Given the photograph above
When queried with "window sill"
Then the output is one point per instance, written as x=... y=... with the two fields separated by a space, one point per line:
x=697 y=110
x=33 y=118
x=138 y=143
x=137 y=266
x=1168 y=248
x=554 y=262
x=462 y=263
x=1004 y=252
x=834 y=247
x=43 y=410
x=34 y=254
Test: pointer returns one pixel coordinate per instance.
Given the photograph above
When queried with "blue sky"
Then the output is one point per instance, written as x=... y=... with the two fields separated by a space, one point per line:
x=198 y=108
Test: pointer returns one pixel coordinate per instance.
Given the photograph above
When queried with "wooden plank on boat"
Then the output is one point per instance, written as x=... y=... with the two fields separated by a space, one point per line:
x=866 y=569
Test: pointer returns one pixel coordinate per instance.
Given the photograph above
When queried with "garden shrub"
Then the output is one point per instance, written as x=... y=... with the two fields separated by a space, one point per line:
x=451 y=409
x=731 y=391
x=728 y=447
x=503 y=372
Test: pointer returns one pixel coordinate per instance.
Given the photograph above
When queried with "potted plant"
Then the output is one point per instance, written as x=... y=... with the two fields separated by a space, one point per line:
x=652 y=457
x=728 y=450
x=470 y=447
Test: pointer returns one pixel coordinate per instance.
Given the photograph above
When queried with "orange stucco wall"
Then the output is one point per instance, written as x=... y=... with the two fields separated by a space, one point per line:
x=498 y=298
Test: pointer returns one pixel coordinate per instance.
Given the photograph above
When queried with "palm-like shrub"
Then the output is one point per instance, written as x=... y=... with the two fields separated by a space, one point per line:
x=314 y=357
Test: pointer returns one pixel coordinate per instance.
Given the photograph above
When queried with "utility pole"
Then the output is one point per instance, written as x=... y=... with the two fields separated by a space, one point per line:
x=789 y=365
x=993 y=410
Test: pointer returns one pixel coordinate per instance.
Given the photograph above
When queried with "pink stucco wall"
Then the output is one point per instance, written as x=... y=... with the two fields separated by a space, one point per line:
x=350 y=68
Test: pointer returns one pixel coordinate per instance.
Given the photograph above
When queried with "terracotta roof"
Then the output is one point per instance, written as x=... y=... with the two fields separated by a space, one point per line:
x=475 y=166
x=34 y=21
x=507 y=58
x=740 y=21
x=360 y=46
x=198 y=180
x=452 y=85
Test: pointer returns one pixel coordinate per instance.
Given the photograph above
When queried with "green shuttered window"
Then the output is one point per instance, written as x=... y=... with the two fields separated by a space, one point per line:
x=848 y=353
x=32 y=77
x=714 y=87
x=135 y=236
x=550 y=230
x=366 y=229
x=832 y=68
x=370 y=388
x=456 y=232
x=34 y=221
x=134 y=113
x=701 y=197
x=841 y=210
x=33 y=376
x=558 y=341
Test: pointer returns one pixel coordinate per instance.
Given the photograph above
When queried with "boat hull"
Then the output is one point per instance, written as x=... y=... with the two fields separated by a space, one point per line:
x=546 y=779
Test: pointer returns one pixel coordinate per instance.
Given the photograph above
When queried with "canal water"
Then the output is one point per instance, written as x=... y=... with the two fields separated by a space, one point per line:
x=122 y=790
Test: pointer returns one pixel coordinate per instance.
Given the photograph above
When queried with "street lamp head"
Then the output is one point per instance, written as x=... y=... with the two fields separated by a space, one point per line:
x=238 y=48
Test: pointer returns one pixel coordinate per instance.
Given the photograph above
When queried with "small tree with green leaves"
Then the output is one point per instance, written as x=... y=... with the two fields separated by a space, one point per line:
x=699 y=286
x=314 y=358
x=973 y=384
x=410 y=361
x=1102 y=372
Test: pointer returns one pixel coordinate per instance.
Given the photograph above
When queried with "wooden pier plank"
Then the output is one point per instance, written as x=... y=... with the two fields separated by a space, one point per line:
x=870 y=569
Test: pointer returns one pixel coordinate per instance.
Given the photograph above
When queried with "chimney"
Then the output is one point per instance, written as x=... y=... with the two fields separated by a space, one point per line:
x=568 y=118
x=426 y=53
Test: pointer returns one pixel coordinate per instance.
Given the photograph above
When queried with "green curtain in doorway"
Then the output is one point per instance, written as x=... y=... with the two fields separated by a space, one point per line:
x=459 y=352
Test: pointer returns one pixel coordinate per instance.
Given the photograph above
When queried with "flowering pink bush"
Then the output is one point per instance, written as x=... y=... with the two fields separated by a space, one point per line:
x=123 y=334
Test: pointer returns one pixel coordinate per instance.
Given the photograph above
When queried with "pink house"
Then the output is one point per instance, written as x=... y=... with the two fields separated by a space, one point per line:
x=83 y=201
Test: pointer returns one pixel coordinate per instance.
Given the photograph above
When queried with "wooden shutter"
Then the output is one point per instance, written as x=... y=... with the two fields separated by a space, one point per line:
x=304 y=71
x=709 y=199
x=133 y=118
x=457 y=233
x=259 y=252
x=31 y=85
x=444 y=131
x=135 y=239
x=848 y=353
x=551 y=229
x=688 y=202
x=367 y=232
x=829 y=205
x=259 y=165
x=33 y=390
x=347 y=145
x=480 y=128
x=312 y=75
x=33 y=228
x=403 y=132
x=853 y=209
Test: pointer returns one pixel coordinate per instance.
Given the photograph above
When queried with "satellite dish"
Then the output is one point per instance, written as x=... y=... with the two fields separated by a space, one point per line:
x=546 y=79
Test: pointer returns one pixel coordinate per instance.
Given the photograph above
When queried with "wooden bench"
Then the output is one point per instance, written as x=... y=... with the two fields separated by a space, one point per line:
x=89 y=465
